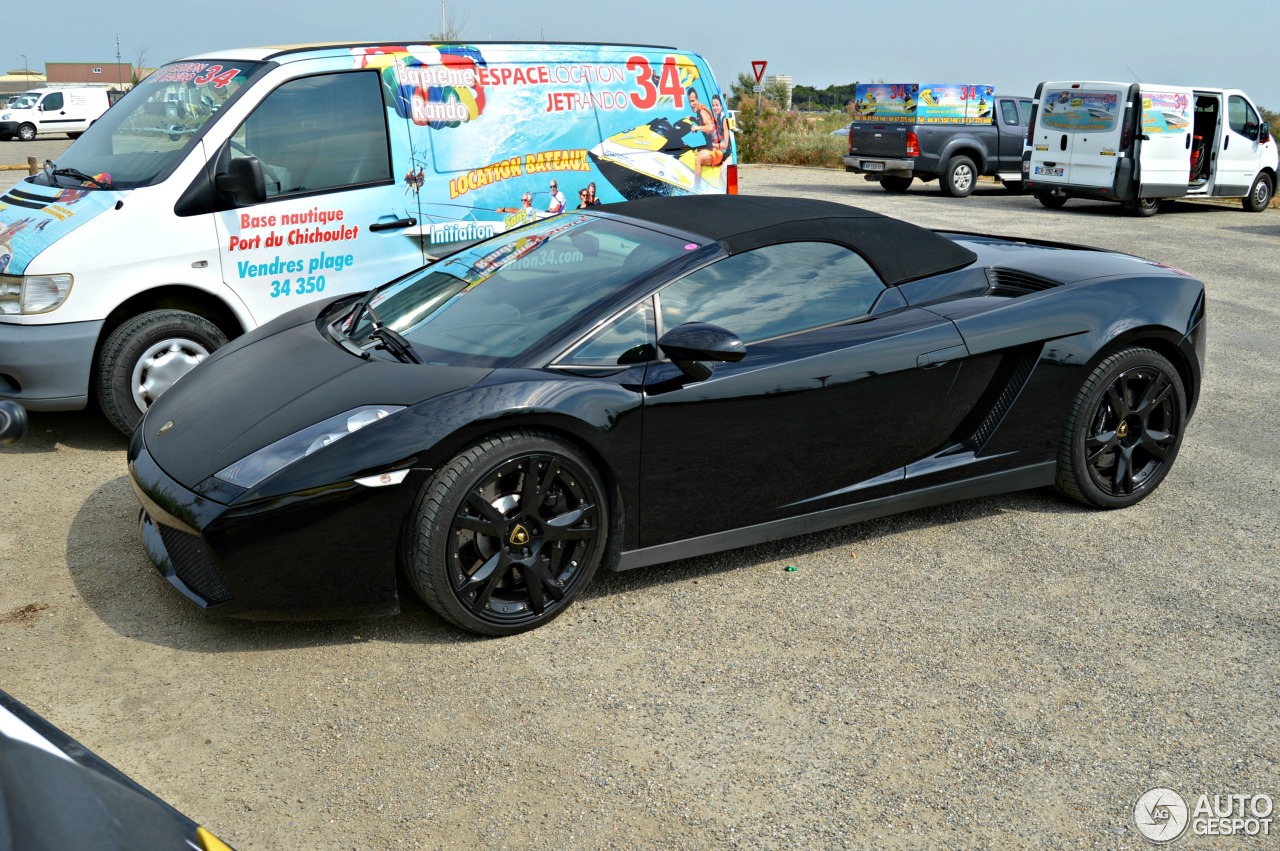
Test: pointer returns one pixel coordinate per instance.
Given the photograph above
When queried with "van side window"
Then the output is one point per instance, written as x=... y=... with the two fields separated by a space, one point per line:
x=52 y=102
x=1242 y=118
x=319 y=133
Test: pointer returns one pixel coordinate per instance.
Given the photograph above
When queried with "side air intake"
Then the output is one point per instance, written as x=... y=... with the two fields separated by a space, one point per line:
x=1013 y=283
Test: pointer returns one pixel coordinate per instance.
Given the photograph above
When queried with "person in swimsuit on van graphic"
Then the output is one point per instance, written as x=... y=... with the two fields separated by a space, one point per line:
x=719 y=138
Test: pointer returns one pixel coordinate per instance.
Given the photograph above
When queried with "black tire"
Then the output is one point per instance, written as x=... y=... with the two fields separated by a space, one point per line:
x=1259 y=197
x=1123 y=430
x=1143 y=208
x=1013 y=187
x=144 y=356
x=73 y=135
x=1051 y=201
x=960 y=178
x=26 y=133
x=891 y=183
x=479 y=541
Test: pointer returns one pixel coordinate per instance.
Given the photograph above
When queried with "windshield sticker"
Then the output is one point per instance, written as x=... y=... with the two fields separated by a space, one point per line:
x=1078 y=110
x=1166 y=112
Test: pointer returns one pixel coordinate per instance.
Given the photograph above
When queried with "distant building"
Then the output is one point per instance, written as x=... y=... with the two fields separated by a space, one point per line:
x=117 y=74
x=783 y=80
x=19 y=80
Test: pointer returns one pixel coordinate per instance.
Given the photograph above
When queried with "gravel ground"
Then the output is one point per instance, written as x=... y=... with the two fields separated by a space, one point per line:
x=992 y=674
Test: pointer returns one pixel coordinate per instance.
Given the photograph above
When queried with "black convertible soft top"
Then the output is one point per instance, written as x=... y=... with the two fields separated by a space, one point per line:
x=898 y=251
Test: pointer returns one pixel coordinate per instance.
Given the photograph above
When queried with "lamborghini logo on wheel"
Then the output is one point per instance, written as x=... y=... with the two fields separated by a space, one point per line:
x=519 y=535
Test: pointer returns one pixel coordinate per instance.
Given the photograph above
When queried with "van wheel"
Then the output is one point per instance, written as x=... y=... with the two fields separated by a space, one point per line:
x=73 y=135
x=1143 y=207
x=1259 y=197
x=890 y=183
x=1051 y=201
x=27 y=132
x=960 y=178
x=145 y=356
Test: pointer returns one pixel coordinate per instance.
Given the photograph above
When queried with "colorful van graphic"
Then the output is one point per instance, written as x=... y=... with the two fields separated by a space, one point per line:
x=224 y=190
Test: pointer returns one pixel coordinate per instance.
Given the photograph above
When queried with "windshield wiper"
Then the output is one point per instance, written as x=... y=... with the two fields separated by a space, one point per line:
x=398 y=346
x=74 y=173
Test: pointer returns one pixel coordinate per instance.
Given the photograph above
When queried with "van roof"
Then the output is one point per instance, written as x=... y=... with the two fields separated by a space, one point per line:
x=261 y=54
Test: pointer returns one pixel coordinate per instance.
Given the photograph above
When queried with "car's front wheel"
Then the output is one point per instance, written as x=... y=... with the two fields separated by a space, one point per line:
x=144 y=356
x=27 y=133
x=1259 y=197
x=1123 y=431
x=507 y=534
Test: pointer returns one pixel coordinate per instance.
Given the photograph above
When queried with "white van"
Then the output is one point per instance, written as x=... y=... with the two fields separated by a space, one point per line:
x=224 y=190
x=1139 y=143
x=66 y=109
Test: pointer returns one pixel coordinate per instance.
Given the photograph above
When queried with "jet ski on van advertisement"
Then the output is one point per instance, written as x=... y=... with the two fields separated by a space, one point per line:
x=658 y=158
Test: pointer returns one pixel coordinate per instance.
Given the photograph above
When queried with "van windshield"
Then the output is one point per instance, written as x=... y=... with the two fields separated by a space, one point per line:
x=141 y=138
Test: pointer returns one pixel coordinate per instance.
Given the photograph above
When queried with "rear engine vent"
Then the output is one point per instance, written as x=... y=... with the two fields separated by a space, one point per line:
x=1013 y=283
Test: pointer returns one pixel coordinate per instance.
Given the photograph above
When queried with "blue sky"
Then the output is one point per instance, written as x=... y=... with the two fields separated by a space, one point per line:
x=1011 y=44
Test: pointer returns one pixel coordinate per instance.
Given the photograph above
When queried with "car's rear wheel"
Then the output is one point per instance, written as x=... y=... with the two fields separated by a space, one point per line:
x=144 y=356
x=1123 y=431
x=960 y=178
x=891 y=183
x=1051 y=201
x=1259 y=197
x=507 y=534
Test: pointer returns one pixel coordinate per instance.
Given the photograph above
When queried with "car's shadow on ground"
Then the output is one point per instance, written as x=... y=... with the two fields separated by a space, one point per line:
x=87 y=429
x=114 y=578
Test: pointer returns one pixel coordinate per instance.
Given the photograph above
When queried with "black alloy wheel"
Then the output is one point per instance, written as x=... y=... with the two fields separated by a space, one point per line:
x=1124 y=430
x=508 y=533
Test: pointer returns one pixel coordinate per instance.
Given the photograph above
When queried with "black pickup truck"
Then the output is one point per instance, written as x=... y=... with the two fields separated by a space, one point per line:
x=895 y=153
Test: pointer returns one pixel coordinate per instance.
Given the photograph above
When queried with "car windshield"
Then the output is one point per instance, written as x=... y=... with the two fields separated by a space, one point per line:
x=22 y=101
x=492 y=303
x=143 y=136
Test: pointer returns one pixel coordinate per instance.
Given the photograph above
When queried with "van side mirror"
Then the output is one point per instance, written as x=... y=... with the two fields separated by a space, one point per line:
x=243 y=181
x=1264 y=133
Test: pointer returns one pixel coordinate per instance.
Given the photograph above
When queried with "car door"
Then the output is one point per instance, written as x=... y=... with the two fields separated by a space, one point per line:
x=52 y=113
x=1012 y=133
x=334 y=218
x=1165 y=142
x=1077 y=135
x=1239 y=158
x=838 y=391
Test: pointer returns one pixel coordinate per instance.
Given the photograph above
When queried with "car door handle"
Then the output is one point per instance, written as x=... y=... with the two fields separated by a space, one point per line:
x=397 y=224
x=930 y=360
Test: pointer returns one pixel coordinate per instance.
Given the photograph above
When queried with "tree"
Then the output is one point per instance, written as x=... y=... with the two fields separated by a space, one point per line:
x=743 y=87
x=139 y=59
x=450 y=26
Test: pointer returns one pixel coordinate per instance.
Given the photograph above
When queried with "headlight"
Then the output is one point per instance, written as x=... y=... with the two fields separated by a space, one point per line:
x=33 y=293
x=254 y=468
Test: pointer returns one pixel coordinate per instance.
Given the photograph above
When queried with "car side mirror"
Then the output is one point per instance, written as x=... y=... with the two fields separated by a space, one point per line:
x=243 y=181
x=1264 y=133
x=692 y=343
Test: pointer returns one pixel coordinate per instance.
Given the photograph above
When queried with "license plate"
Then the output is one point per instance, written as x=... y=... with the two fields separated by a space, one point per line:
x=1056 y=171
x=867 y=165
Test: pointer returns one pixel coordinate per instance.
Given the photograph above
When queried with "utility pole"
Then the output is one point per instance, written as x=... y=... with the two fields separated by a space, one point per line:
x=26 y=72
x=119 y=81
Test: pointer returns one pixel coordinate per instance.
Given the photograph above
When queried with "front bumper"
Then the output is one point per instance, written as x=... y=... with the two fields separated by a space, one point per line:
x=325 y=553
x=8 y=129
x=874 y=167
x=46 y=367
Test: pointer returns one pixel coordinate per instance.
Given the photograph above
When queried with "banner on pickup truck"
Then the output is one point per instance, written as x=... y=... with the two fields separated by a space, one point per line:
x=955 y=103
x=924 y=103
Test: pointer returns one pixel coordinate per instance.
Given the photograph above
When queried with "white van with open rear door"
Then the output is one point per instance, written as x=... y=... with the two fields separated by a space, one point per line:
x=1139 y=144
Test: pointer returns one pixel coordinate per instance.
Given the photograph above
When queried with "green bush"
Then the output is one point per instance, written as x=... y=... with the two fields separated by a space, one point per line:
x=767 y=134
